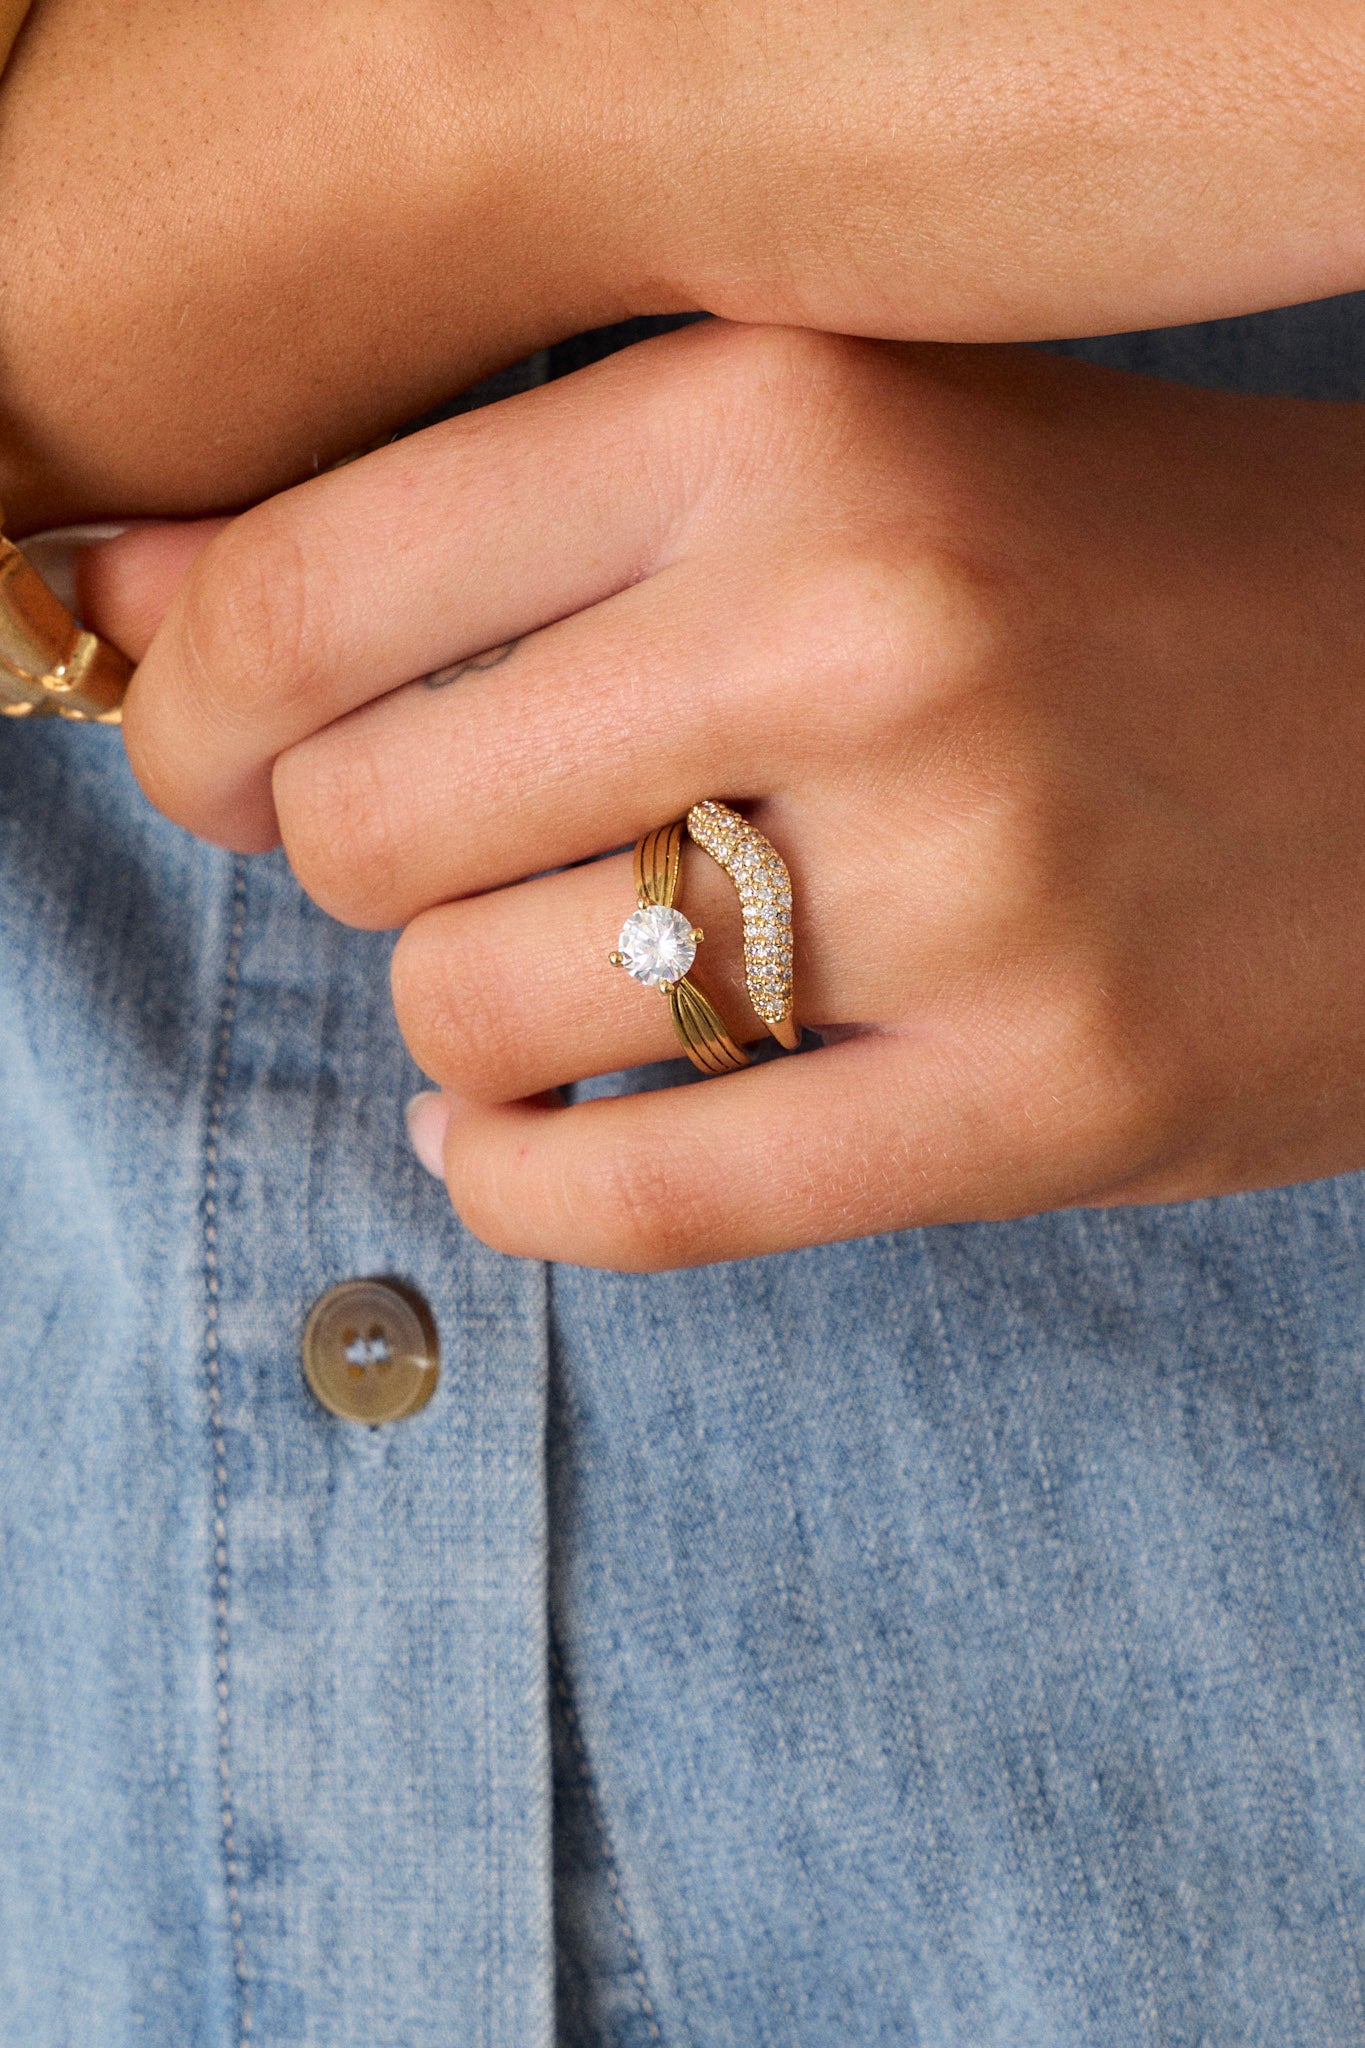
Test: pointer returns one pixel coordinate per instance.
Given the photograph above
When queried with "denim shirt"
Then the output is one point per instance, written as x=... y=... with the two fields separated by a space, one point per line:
x=954 y=1639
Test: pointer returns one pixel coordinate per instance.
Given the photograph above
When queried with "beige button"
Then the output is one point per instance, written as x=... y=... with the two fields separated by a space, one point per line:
x=370 y=1351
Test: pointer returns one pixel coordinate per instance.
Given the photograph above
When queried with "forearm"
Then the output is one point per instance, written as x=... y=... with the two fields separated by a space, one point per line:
x=270 y=233
x=966 y=170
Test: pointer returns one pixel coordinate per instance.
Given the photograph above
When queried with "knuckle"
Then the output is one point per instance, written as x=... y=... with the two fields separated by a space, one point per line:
x=763 y=403
x=962 y=625
x=998 y=857
x=247 y=626
x=861 y=619
x=997 y=836
x=645 y=1210
x=961 y=657
x=611 y=1210
x=893 y=640
x=1108 y=1091
x=1150 y=1096
x=339 y=830
x=450 y=1001
x=781 y=363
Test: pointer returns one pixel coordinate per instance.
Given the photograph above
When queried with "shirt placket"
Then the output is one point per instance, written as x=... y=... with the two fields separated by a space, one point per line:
x=374 y=1635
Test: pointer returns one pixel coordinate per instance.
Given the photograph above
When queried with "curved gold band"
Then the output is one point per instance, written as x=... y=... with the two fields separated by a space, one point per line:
x=49 y=664
x=702 y=1035
x=760 y=876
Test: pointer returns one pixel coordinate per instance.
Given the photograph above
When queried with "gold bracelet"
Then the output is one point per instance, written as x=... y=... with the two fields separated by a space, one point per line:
x=49 y=664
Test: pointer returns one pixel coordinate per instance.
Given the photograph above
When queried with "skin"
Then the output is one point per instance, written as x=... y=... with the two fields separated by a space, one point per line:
x=1045 y=680
x=240 y=240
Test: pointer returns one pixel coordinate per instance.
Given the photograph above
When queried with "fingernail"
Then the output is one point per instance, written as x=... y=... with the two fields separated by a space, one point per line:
x=428 y=1114
x=54 y=555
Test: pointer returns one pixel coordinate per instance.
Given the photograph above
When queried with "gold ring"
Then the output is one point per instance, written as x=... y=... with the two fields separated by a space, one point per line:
x=658 y=945
x=48 y=662
x=760 y=876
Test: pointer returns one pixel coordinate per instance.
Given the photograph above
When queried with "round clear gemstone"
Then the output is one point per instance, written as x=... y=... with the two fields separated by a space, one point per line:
x=656 y=945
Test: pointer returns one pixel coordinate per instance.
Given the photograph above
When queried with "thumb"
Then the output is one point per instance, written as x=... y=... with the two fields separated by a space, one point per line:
x=120 y=586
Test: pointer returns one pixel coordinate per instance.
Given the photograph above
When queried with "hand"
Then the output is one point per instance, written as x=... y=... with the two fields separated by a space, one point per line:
x=240 y=240
x=1046 y=681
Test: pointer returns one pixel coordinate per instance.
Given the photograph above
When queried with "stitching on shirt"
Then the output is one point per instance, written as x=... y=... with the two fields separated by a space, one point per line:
x=218 y=1445
x=588 y=1785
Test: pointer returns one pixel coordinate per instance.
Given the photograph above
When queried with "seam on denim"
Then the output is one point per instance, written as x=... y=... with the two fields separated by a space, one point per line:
x=222 y=1583
x=589 y=1788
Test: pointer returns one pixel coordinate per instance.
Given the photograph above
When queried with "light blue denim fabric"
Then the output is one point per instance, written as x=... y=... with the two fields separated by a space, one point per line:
x=953 y=1639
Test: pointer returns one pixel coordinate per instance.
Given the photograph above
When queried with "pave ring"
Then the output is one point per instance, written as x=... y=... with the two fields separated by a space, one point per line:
x=760 y=876
x=657 y=946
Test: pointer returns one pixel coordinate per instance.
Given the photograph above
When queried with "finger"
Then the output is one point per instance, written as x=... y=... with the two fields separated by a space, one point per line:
x=124 y=587
x=512 y=994
x=560 y=747
x=453 y=541
x=845 y=1141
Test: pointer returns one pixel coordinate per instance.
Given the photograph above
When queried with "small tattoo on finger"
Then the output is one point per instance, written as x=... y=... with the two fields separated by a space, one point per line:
x=477 y=663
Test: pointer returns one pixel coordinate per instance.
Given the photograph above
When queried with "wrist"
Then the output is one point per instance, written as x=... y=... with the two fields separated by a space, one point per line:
x=247 y=260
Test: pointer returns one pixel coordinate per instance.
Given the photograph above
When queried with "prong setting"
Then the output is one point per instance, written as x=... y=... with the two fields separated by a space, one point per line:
x=656 y=945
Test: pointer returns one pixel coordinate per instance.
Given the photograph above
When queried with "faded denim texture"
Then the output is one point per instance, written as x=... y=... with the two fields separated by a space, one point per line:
x=955 y=1639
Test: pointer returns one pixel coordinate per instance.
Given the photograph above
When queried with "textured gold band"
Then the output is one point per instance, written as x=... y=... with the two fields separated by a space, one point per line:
x=760 y=876
x=49 y=665
x=658 y=865
x=702 y=1035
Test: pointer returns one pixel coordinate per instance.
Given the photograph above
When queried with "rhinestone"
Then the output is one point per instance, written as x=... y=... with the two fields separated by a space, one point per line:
x=656 y=945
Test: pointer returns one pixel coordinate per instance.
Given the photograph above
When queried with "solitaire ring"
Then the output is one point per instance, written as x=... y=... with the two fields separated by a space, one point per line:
x=658 y=945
